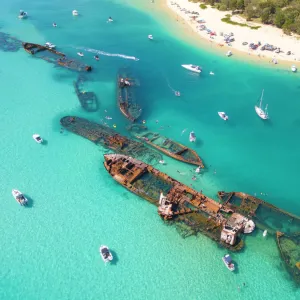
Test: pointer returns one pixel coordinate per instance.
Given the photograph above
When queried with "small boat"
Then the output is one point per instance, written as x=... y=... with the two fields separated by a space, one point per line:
x=54 y=25
x=265 y=233
x=22 y=14
x=80 y=54
x=263 y=114
x=19 y=197
x=223 y=115
x=177 y=93
x=228 y=262
x=198 y=169
x=105 y=254
x=150 y=37
x=249 y=226
x=110 y=19
x=162 y=162
x=192 y=136
x=75 y=12
x=192 y=68
x=229 y=53
x=37 y=138
x=211 y=73
x=96 y=57
x=294 y=69
x=50 y=45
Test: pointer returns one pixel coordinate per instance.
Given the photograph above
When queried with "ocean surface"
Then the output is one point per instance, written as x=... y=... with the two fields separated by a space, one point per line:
x=50 y=249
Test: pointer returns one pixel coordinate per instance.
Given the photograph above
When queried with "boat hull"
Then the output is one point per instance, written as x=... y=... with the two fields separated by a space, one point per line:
x=189 y=67
x=261 y=113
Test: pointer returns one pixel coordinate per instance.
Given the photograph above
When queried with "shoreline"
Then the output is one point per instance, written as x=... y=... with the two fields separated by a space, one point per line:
x=240 y=51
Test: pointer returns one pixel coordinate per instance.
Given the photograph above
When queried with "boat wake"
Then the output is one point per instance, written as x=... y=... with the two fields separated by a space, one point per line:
x=108 y=54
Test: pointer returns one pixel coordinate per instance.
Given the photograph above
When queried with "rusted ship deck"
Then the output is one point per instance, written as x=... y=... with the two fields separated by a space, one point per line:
x=180 y=203
x=88 y=100
x=55 y=57
x=109 y=138
x=276 y=221
x=126 y=95
x=166 y=145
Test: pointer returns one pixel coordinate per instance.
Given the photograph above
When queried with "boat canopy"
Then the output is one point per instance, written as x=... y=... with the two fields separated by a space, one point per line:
x=227 y=259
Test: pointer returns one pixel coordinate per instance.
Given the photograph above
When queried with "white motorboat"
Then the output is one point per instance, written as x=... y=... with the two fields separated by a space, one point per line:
x=294 y=69
x=54 y=25
x=228 y=262
x=105 y=254
x=223 y=115
x=192 y=68
x=75 y=12
x=110 y=19
x=265 y=233
x=177 y=93
x=249 y=226
x=198 y=169
x=150 y=37
x=192 y=136
x=229 y=53
x=263 y=114
x=19 y=197
x=211 y=73
x=22 y=14
x=50 y=45
x=37 y=138
x=162 y=162
x=80 y=54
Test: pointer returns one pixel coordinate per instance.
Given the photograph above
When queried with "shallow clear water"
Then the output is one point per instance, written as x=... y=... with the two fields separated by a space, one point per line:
x=50 y=250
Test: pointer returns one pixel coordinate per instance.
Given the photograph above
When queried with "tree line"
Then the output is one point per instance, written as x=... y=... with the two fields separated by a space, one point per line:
x=284 y=14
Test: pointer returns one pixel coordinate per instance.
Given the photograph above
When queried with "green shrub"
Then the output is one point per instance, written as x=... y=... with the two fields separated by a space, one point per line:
x=203 y=6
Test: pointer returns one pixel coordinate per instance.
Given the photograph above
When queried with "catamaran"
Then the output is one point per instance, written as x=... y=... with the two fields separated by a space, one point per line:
x=263 y=114
x=192 y=68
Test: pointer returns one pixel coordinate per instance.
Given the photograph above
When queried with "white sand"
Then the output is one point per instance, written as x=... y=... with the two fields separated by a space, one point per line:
x=265 y=34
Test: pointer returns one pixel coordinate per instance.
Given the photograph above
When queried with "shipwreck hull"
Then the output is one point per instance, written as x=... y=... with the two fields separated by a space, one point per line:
x=109 y=138
x=198 y=212
x=55 y=57
x=284 y=225
x=166 y=145
x=126 y=96
x=88 y=100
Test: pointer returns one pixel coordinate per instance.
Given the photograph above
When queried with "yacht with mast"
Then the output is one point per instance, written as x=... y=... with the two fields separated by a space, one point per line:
x=263 y=114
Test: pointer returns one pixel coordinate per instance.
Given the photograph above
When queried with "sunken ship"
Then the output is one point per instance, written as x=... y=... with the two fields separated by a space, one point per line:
x=166 y=145
x=55 y=57
x=178 y=202
x=126 y=85
x=88 y=100
x=284 y=225
x=109 y=138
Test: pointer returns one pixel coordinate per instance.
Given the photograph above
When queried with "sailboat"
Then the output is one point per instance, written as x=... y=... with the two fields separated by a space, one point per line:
x=263 y=114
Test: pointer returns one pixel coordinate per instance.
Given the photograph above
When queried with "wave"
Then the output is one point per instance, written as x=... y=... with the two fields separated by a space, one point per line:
x=108 y=54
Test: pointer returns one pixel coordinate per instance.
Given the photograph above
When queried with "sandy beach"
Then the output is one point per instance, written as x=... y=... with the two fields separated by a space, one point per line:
x=208 y=25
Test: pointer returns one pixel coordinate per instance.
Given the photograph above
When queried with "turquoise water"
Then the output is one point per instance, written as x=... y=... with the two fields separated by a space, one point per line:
x=50 y=250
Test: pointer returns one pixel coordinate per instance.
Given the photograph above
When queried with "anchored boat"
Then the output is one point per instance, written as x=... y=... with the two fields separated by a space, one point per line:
x=263 y=114
x=166 y=145
x=177 y=201
x=126 y=95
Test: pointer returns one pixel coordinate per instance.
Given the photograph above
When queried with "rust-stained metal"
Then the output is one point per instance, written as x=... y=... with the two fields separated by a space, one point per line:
x=55 y=57
x=126 y=85
x=181 y=203
x=109 y=138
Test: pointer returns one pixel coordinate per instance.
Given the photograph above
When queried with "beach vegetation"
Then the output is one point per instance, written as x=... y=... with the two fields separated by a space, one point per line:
x=283 y=14
x=228 y=20
x=203 y=6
